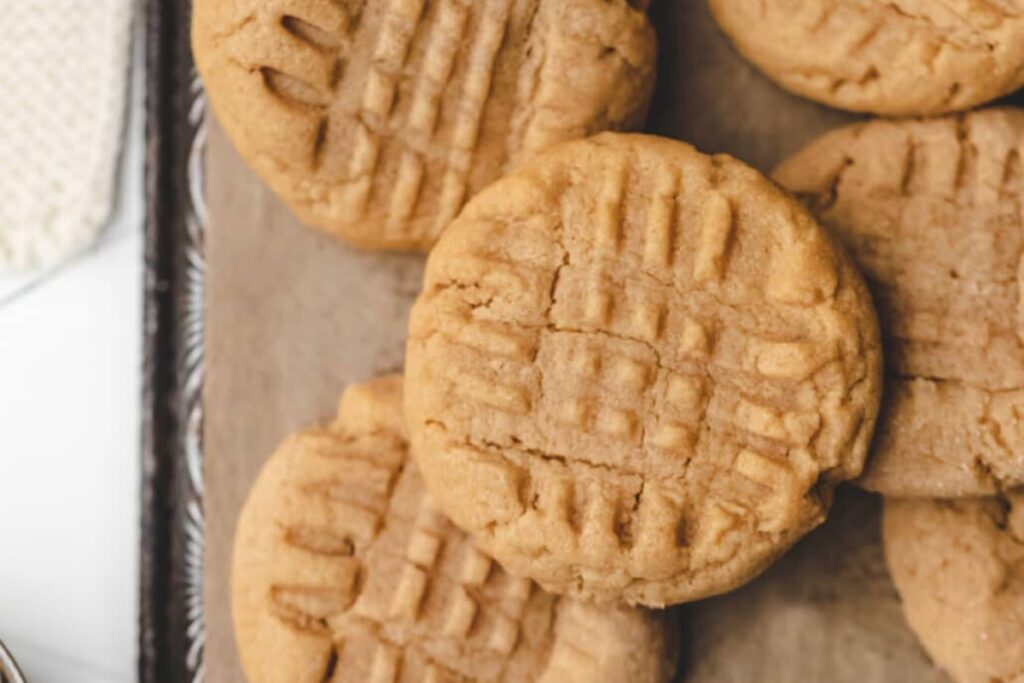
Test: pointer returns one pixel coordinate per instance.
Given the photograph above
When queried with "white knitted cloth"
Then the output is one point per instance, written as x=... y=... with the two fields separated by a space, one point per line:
x=63 y=81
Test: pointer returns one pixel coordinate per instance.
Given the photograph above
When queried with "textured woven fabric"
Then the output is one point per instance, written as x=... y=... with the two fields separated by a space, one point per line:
x=63 y=82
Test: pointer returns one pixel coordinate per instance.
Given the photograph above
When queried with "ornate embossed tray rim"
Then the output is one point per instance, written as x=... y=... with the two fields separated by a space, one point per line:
x=170 y=612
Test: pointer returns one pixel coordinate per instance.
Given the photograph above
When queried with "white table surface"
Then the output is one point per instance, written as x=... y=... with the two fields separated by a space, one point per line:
x=70 y=388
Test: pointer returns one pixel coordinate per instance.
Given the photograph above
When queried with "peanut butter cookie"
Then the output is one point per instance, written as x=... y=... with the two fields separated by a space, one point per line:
x=892 y=57
x=344 y=571
x=377 y=119
x=931 y=212
x=636 y=371
x=959 y=568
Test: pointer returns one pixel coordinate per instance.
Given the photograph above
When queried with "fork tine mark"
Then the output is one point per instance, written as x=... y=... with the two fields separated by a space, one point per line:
x=294 y=91
x=319 y=38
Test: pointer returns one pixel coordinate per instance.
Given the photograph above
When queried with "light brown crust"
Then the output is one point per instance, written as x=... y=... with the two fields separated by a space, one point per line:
x=931 y=212
x=892 y=57
x=377 y=119
x=343 y=571
x=636 y=371
x=959 y=569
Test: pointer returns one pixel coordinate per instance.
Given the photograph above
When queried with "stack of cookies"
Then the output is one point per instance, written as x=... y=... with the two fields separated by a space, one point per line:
x=931 y=211
x=636 y=372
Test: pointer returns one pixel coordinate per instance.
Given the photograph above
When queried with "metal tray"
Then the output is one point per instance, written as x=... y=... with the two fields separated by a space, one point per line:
x=170 y=615
x=837 y=575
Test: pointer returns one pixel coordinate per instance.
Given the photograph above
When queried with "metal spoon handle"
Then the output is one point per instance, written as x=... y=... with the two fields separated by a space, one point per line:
x=9 y=671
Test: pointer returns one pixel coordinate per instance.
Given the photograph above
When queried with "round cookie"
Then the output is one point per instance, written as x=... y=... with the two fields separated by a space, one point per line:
x=636 y=372
x=895 y=58
x=930 y=211
x=344 y=571
x=959 y=568
x=376 y=120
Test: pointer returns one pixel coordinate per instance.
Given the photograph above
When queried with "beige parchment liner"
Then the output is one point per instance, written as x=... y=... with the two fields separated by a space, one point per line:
x=293 y=317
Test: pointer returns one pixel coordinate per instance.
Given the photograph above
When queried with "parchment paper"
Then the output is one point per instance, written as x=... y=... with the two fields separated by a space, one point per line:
x=293 y=317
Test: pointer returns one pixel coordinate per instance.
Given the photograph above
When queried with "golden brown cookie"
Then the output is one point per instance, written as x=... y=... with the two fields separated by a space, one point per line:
x=377 y=119
x=637 y=371
x=892 y=57
x=959 y=568
x=344 y=571
x=930 y=210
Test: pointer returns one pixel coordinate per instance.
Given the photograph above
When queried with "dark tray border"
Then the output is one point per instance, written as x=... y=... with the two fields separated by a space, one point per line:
x=171 y=626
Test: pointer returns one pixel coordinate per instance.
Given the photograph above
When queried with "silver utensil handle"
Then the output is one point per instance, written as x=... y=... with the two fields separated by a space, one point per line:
x=9 y=671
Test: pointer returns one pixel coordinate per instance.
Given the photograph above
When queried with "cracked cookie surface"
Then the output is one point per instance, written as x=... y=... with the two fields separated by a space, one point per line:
x=931 y=212
x=959 y=569
x=637 y=371
x=376 y=120
x=343 y=570
x=891 y=57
